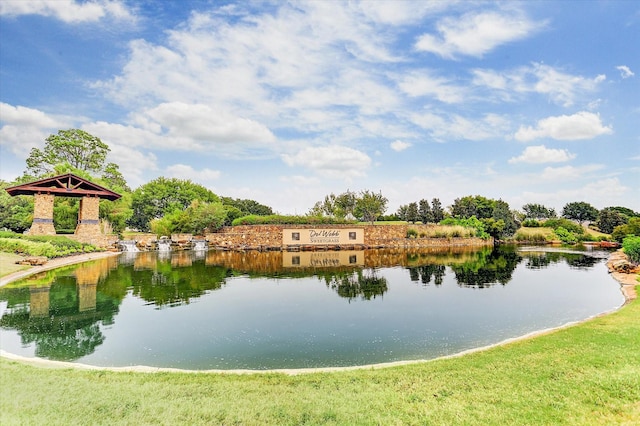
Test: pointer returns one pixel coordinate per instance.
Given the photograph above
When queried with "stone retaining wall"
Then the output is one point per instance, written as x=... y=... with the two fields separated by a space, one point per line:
x=270 y=237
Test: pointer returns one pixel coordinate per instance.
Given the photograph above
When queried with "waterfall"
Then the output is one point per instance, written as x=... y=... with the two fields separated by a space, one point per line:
x=128 y=245
x=164 y=244
x=199 y=245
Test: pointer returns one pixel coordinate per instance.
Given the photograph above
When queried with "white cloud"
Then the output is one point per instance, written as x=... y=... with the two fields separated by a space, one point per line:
x=560 y=87
x=134 y=164
x=399 y=145
x=542 y=154
x=183 y=171
x=582 y=125
x=446 y=127
x=25 y=128
x=331 y=161
x=475 y=34
x=199 y=125
x=69 y=11
x=423 y=83
x=600 y=193
x=568 y=173
x=625 y=71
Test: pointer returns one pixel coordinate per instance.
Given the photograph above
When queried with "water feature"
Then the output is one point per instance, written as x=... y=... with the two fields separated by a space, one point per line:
x=128 y=245
x=261 y=310
x=199 y=245
x=164 y=244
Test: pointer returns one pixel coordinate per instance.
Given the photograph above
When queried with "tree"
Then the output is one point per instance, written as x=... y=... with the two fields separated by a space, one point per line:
x=580 y=212
x=412 y=212
x=162 y=196
x=370 y=205
x=345 y=204
x=437 y=211
x=609 y=218
x=402 y=212
x=478 y=206
x=502 y=213
x=424 y=211
x=16 y=213
x=75 y=147
x=538 y=211
x=622 y=231
x=247 y=207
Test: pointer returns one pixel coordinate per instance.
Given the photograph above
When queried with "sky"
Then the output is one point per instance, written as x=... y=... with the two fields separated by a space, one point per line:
x=285 y=102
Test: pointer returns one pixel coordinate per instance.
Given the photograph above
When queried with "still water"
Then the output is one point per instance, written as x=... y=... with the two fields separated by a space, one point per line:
x=268 y=310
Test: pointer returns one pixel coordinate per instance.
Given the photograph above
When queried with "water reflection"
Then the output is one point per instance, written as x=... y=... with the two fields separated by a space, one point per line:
x=63 y=314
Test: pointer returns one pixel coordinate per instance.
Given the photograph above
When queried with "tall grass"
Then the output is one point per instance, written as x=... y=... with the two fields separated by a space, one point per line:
x=442 y=231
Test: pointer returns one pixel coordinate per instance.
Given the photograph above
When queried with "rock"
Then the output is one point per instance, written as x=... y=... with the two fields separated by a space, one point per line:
x=33 y=261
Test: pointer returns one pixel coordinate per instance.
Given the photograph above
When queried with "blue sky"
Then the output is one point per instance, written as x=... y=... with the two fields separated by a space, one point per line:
x=286 y=102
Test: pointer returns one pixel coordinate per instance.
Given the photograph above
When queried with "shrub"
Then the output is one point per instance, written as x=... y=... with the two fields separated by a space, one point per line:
x=566 y=236
x=288 y=220
x=42 y=245
x=631 y=247
x=534 y=237
x=566 y=224
x=531 y=223
x=412 y=233
x=472 y=222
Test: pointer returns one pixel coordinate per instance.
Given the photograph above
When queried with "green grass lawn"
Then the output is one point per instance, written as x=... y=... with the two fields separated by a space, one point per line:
x=587 y=374
x=8 y=264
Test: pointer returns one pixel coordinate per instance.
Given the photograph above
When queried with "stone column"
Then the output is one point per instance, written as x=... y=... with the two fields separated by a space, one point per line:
x=88 y=228
x=42 y=215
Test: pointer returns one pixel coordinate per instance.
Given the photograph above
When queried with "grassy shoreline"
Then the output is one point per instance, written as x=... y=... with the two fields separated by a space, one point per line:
x=584 y=374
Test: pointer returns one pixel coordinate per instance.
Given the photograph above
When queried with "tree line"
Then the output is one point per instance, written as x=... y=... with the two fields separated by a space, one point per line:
x=170 y=205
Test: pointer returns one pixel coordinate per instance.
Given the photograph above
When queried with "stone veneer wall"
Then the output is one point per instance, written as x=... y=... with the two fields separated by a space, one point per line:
x=270 y=236
x=42 y=215
x=89 y=219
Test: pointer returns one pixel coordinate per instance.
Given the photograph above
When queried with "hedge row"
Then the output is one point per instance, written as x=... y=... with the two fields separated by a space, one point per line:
x=288 y=220
x=41 y=245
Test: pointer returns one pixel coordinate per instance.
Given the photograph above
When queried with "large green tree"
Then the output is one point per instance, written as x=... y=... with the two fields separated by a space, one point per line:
x=499 y=220
x=247 y=207
x=538 y=211
x=369 y=205
x=16 y=213
x=608 y=219
x=75 y=147
x=580 y=211
x=162 y=196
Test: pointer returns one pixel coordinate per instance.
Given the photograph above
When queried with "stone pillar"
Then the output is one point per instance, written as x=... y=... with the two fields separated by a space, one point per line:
x=89 y=219
x=42 y=215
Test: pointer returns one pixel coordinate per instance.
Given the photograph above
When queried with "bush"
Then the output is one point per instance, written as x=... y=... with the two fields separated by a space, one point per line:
x=31 y=248
x=472 y=222
x=631 y=247
x=412 y=233
x=566 y=236
x=42 y=245
x=531 y=223
x=566 y=224
x=288 y=220
x=534 y=237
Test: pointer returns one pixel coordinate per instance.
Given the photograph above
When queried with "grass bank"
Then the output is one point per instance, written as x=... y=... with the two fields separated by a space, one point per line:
x=582 y=375
x=8 y=264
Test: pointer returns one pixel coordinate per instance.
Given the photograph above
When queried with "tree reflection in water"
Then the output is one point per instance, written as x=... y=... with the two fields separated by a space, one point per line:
x=63 y=312
x=362 y=283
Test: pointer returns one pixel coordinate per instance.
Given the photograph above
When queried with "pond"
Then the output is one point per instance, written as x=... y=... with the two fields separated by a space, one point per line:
x=274 y=310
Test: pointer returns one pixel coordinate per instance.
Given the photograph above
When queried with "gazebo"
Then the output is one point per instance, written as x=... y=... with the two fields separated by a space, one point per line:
x=67 y=185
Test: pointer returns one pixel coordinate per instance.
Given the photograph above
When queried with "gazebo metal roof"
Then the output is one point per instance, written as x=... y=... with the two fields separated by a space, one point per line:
x=67 y=185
